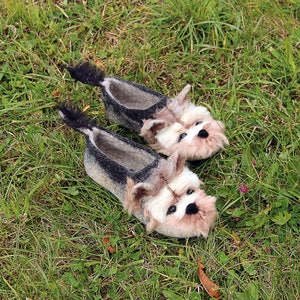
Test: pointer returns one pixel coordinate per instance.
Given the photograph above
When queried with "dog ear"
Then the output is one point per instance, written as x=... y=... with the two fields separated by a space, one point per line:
x=168 y=169
x=151 y=127
x=134 y=195
x=183 y=95
x=141 y=190
x=177 y=161
x=152 y=221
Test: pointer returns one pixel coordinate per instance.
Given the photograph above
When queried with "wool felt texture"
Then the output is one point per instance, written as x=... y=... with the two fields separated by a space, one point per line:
x=162 y=193
x=126 y=103
x=168 y=124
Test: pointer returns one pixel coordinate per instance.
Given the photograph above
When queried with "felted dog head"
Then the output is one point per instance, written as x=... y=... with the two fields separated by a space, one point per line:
x=162 y=193
x=168 y=125
x=173 y=203
x=183 y=127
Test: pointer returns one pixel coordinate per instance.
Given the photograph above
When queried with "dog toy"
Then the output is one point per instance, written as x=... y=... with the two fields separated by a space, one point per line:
x=162 y=193
x=167 y=124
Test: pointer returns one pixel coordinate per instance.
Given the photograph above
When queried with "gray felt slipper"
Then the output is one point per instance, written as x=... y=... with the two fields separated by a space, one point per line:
x=162 y=193
x=167 y=124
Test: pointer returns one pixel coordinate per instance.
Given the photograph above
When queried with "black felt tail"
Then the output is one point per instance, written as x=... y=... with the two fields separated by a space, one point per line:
x=86 y=73
x=74 y=117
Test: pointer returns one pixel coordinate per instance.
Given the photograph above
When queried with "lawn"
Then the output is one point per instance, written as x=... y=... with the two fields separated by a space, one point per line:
x=62 y=236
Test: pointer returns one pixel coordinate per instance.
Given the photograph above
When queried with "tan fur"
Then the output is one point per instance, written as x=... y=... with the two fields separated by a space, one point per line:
x=194 y=225
x=139 y=198
x=182 y=97
x=152 y=223
x=164 y=173
x=181 y=112
x=150 y=128
x=134 y=194
x=200 y=148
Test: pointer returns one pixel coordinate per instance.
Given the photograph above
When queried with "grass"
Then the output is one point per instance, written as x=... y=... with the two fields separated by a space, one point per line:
x=242 y=59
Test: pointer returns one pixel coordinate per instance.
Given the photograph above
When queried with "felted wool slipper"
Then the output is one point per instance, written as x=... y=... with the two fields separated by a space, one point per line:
x=167 y=124
x=162 y=193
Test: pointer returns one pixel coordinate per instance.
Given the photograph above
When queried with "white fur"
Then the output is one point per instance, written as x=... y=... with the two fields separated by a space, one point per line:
x=194 y=113
x=192 y=132
x=185 y=180
x=169 y=135
x=192 y=225
x=182 y=204
x=180 y=117
x=158 y=205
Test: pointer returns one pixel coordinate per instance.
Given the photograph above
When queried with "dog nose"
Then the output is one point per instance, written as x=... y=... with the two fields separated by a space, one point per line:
x=191 y=209
x=203 y=134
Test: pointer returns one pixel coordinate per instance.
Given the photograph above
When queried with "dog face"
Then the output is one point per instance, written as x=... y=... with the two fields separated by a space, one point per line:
x=198 y=219
x=196 y=135
x=180 y=208
x=188 y=129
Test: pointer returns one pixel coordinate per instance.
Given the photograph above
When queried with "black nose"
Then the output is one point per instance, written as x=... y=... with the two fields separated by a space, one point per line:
x=203 y=133
x=191 y=209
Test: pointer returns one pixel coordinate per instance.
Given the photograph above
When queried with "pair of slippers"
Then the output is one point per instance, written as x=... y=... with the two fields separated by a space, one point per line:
x=162 y=193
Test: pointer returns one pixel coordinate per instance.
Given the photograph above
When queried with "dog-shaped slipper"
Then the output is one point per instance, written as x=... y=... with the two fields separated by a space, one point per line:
x=167 y=124
x=162 y=193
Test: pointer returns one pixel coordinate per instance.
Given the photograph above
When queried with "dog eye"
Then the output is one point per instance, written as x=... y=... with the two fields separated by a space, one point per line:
x=182 y=136
x=198 y=123
x=171 y=209
x=190 y=191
